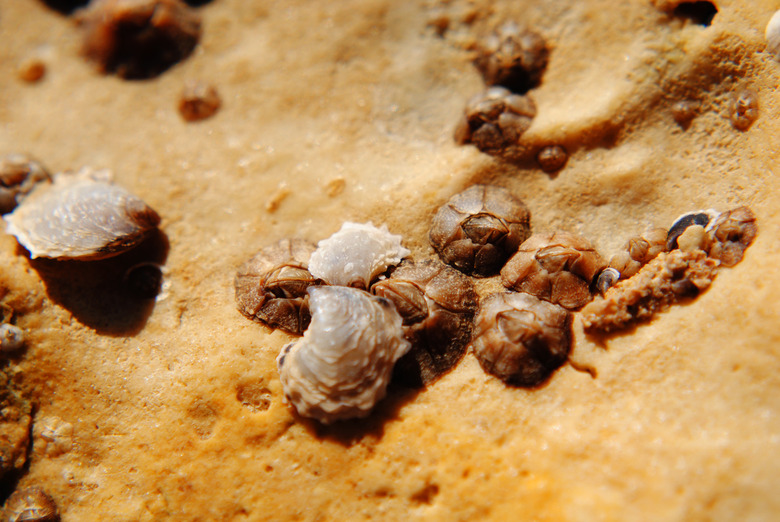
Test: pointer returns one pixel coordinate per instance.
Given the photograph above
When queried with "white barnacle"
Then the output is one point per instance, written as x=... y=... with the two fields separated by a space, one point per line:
x=356 y=255
x=773 y=35
x=80 y=217
x=343 y=363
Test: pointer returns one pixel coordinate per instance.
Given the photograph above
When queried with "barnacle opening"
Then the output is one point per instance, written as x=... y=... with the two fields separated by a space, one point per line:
x=700 y=13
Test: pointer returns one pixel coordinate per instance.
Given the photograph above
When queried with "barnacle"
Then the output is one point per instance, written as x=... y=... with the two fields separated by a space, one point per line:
x=198 y=101
x=699 y=217
x=743 y=109
x=356 y=255
x=730 y=233
x=139 y=39
x=80 y=218
x=271 y=286
x=557 y=267
x=19 y=174
x=552 y=158
x=11 y=337
x=343 y=363
x=437 y=304
x=478 y=229
x=494 y=120
x=31 y=504
x=521 y=339
x=512 y=58
x=639 y=251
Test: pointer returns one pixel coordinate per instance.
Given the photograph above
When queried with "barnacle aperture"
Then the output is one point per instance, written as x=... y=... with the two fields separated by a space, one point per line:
x=730 y=233
x=343 y=363
x=494 y=120
x=437 y=304
x=521 y=339
x=557 y=267
x=138 y=39
x=78 y=218
x=271 y=287
x=513 y=58
x=477 y=230
x=356 y=255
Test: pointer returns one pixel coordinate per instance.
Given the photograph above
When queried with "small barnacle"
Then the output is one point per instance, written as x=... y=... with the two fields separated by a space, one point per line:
x=31 y=504
x=730 y=233
x=521 y=339
x=552 y=158
x=494 y=120
x=684 y=111
x=513 y=58
x=557 y=267
x=743 y=109
x=31 y=70
x=198 y=101
x=477 y=230
x=80 y=218
x=699 y=217
x=772 y=35
x=639 y=251
x=606 y=279
x=138 y=39
x=437 y=304
x=343 y=363
x=271 y=287
x=356 y=255
x=52 y=436
x=19 y=174
x=667 y=279
x=11 y=337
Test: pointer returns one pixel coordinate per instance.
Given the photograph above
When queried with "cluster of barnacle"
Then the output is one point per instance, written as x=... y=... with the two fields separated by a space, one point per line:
x=368 y=314
x=512 y=61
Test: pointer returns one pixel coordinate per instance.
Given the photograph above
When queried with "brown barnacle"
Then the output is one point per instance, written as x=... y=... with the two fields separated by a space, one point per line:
x=639 y=251
x=19 y=174
x=31 y=70
x=730 y=233
x=139 y=39
x=437 y=305
x=478 y=229
x=684 y=111
x=743 y=109
x=557 y=267
x=495 y=119
x=513 y=58
x=30 y=504
x=521 y=339
x=552 y=158
x=271 y=286
x=664 y=281
x=198 y=101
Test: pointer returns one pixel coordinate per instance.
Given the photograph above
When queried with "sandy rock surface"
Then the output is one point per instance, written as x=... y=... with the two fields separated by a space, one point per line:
x=345 y=111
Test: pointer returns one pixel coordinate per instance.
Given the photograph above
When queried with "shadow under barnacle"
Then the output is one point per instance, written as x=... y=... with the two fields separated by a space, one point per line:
x=349 y=432
x=97 y=292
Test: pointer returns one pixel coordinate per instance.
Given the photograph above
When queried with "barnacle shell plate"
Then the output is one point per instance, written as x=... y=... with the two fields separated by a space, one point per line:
x=356 y=254
x=342 y=366
x=78 y=218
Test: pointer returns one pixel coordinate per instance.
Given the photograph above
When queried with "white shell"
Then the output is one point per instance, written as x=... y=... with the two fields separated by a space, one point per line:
x=341 y=366
x=773 y=35
x=11 y=337
x=80 y=218
x=356 y=254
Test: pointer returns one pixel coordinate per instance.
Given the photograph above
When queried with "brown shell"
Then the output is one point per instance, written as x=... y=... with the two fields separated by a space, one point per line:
x=437 y=304
x=478 y=229
x=512 y=57
x=557 y=267
x=521 y=339
x=494 y=120
x=30 y=504
x=19 y=174
x=271 y=287
x=639 y=251
x=731 y=233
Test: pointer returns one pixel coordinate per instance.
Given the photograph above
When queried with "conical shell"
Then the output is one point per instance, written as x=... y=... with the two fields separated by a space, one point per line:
x=79 y=218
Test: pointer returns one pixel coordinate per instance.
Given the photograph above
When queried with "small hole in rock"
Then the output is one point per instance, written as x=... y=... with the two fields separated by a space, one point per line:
x=700 y=13
x=254 y=396
x=426 y=494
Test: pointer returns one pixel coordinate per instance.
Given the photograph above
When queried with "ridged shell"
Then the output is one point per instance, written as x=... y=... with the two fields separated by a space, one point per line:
x=77 y=218
x=356 y=255
x=341 y=367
